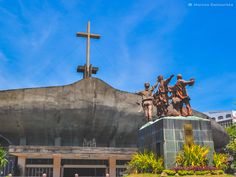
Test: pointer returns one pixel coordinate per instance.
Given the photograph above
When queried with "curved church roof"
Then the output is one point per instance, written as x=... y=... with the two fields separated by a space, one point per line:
x=86 y=112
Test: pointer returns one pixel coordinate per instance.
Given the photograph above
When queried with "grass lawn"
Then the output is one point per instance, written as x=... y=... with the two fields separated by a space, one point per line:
x=152 y=175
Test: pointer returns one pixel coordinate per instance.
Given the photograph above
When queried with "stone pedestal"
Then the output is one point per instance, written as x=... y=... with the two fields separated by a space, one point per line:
x=166 y=136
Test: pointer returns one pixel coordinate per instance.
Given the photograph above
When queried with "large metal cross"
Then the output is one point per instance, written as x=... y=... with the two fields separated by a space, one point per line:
x=87 y=69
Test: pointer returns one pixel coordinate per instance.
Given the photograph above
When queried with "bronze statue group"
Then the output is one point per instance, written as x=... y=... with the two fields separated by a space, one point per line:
x=168 y=100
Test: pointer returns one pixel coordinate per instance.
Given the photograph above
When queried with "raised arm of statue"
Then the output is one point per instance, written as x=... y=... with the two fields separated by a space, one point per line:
x=167 y=81
x=154 y=86
x=190 y=82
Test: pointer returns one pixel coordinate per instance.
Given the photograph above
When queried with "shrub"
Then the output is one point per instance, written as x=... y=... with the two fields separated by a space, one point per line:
x=205 y=168
x=202 y=172
x=196 y=168
x=182 y=172
x=217 y=172
x=220 y=172
x=193 y=155
x=146 y=162
x=170 y=172
x=220 y=160
x=157 y=165
x=190 y=172
x=3 y=158
x=231 y=147
x=185 y=172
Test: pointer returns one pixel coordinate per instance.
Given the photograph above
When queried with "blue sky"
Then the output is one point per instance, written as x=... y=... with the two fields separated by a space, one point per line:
x=140 y=40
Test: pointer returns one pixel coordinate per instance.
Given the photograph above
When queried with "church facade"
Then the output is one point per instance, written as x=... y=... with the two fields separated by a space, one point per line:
x=87 y=128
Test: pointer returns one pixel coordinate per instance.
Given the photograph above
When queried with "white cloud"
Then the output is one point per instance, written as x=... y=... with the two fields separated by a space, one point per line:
x=149 y=56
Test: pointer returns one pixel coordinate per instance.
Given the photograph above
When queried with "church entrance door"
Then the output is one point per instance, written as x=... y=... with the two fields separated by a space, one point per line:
x=84 y=172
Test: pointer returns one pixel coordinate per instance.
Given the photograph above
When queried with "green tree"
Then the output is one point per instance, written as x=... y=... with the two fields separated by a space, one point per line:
x=231 y=147
x=3 y=158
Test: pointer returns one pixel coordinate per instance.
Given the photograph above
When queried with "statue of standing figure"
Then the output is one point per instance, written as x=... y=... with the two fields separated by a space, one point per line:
x=180 y=96
x=161 y=98
x=147 y=100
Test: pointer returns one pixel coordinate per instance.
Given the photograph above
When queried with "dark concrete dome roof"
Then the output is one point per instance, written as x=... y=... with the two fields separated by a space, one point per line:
x=67 y=115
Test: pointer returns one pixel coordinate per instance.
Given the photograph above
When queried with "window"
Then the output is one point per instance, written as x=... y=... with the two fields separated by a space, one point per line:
x=36 y=171
x=228 y=116
x=122 y=162
x=220 y=117
x=83 y=162
x=213 y=118
x=39 y=161
x=226 y=123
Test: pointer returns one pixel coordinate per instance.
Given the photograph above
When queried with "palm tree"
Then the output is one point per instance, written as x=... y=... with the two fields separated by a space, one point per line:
x=3 y=158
